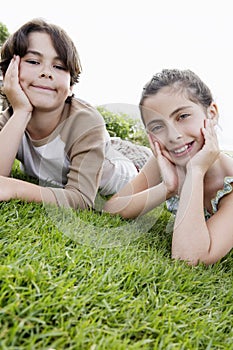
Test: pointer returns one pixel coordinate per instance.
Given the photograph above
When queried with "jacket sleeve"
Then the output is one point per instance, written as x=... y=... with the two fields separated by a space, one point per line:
x=85 y=146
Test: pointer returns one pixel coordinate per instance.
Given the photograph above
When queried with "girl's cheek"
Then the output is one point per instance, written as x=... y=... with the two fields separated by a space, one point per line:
x=159 y=140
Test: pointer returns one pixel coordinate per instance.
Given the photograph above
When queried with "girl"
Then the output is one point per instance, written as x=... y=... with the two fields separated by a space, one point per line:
x=187 y=168
x=59 y=139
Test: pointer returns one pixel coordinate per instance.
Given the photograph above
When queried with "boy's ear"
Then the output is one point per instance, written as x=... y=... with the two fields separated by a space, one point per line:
x=212 y=112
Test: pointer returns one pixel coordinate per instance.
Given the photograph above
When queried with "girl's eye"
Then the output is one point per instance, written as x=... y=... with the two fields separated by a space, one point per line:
x=156 y=128
x=183 y=116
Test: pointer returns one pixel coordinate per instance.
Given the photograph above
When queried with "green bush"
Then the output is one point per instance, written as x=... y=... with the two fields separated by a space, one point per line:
x=121 y=125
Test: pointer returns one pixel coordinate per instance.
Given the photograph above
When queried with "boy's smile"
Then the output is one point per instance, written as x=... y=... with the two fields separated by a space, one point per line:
x=43 y=76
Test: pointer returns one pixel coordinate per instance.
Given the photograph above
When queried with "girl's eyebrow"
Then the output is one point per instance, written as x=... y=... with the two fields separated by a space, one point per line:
x=179 y=109
x=159 y=120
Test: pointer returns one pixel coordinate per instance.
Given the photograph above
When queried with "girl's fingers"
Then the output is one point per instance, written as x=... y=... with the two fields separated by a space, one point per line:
x=208 y=130
x=157 y=148
x=154 y=146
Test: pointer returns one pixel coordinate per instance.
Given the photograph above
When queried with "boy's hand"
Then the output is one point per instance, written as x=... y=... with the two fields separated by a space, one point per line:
x=13 y=90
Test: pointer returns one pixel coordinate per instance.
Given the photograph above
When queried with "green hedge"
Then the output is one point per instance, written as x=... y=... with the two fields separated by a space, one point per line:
x=125 y=127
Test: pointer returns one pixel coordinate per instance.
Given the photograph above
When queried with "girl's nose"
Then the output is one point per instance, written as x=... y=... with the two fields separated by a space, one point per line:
x=174 y=134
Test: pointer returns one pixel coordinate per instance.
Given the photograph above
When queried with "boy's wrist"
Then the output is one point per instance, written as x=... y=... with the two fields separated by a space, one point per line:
x=22 y=115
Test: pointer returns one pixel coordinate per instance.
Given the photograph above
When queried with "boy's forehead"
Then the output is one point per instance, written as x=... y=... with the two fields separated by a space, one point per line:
x=41 y=42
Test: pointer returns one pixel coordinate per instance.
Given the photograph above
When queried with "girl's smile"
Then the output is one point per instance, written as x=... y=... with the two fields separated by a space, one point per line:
x=183 y=150
x=176 y=123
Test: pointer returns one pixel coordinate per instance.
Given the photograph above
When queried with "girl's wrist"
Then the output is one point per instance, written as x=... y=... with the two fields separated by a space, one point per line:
x=195 y=173
x=170 y=192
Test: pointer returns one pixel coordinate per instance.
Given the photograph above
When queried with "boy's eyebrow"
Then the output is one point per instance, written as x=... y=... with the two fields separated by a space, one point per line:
x=34 y=52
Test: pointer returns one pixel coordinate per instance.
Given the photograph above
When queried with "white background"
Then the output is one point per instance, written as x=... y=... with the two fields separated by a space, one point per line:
x=122 y=43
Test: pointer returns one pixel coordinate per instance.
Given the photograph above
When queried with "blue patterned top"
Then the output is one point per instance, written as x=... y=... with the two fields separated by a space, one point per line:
x=172 y=203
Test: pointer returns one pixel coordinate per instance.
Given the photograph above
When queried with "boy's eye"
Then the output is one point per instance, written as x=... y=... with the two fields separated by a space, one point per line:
x=60 y=67
x=32 y=61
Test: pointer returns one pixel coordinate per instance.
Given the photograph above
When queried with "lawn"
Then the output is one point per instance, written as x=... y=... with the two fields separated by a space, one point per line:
x=86 y=280
x=89 y=281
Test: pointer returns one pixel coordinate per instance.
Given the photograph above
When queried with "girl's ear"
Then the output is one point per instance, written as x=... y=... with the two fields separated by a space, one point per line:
x=212 y=112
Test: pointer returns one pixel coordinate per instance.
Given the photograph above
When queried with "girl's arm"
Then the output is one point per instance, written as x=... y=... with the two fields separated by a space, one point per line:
x=194 y=239
x=146 y=191
x=12 y=132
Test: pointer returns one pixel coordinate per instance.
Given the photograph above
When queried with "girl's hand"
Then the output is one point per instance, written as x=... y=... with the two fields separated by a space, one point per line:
x=168 y=171
x=12 y=88
x=210 y=150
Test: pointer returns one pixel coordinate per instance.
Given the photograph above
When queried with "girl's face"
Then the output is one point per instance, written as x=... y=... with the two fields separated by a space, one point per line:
x=42 y=75
x=175 y=122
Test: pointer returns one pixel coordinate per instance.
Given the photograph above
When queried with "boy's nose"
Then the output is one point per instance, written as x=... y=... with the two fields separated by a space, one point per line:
x=45 y=75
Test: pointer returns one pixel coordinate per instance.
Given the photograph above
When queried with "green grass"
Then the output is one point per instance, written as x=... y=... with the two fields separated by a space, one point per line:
x=89 y=281
x=59 y=293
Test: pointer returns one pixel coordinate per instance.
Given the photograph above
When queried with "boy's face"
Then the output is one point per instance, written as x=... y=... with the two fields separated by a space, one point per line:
x=42 y=75
x=175 y=123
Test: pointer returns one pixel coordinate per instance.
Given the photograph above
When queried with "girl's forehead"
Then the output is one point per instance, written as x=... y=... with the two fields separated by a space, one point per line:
x=166 y=98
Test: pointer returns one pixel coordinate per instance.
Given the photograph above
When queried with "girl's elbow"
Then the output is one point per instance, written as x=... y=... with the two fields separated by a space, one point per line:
x=113 y=209
x=194 y=260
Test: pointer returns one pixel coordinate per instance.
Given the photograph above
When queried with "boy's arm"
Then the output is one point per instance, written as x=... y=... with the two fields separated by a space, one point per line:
x=12 y=132
x=10 y=138
x=17 y=189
